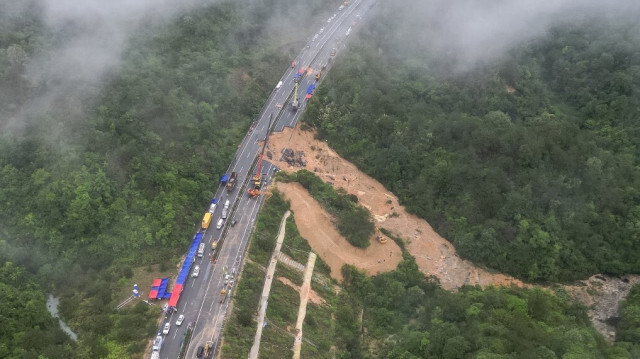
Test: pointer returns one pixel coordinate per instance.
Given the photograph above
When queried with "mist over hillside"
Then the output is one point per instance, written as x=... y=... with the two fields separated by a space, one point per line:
x=467 y=33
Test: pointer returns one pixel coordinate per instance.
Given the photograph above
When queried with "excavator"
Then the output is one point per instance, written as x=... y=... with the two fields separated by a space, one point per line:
x=258 y=177
x=256 y=192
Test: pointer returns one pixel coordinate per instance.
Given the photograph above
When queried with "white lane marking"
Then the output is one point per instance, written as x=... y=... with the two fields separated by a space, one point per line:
x=245 y=241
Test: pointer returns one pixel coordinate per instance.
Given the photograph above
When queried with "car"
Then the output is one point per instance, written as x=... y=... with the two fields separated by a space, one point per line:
x=196 y=272
x=200 y=352
x=166 y=329
x=279 y=85
x=180 y=320
x=214 y=244
x=333 y=52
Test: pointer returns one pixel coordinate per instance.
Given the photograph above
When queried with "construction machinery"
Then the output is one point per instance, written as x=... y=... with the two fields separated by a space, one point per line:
x=255 y=193
x=295 y=102
x=208 y=349
x=259 y=178
x=382 y=239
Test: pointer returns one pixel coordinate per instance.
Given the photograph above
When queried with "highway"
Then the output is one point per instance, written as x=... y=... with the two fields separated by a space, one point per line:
x=200 y=301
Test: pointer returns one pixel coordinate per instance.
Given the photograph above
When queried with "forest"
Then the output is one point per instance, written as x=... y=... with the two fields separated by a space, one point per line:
x=403 y=314
x=528 y=163
x=113 y=176
x=406 y=315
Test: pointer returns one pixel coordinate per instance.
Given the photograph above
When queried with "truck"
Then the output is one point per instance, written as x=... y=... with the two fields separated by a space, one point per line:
x=310 y=90
x=157 y=343
x=295 y=102
x=201 y=250
x=212 y=207
x=206 y=220
x=231 y=182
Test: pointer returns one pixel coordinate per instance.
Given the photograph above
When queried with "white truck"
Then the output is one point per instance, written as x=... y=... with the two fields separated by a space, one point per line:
x=157 y=344
x=201 y=250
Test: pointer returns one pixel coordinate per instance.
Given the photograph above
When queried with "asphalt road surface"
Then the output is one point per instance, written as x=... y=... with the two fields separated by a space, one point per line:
x=201 y=302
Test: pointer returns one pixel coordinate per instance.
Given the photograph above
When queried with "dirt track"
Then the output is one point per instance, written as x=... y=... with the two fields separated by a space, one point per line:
x=434 y=254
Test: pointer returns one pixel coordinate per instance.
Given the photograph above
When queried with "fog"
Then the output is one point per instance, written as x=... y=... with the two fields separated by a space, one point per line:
x=473 y=32
x=85 y=40
x=90 y=36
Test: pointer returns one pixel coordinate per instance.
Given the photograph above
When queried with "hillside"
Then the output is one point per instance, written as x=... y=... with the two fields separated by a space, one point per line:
x=400 y=313
x=527 y=163
x=111 y=145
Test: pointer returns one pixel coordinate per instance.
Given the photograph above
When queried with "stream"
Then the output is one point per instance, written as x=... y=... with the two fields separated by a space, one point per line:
x=52 y=307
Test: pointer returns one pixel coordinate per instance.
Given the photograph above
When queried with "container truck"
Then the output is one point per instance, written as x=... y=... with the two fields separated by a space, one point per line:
x=206 y=220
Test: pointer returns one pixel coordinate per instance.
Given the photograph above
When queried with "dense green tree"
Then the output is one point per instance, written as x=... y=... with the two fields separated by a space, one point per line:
x=528 y=163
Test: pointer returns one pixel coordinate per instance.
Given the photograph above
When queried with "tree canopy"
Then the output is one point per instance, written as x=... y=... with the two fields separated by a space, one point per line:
x=529 y=164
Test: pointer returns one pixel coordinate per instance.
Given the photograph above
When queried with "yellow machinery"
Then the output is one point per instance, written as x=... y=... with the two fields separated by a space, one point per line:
x=253 y=193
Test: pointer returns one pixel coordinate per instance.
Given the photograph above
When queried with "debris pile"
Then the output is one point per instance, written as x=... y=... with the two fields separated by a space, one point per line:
x=294 y=158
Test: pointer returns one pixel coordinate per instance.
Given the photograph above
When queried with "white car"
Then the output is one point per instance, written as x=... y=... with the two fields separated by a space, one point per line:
x=180 y=320
x=166 y=329
x=196 y=271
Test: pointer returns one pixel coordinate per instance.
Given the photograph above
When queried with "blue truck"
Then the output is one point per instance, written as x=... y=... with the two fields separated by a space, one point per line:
x=310 y=91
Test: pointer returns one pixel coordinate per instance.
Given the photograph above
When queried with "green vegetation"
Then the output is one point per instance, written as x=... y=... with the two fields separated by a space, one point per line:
x=352 y=221
x=629 y=324
x=27 y=328
x=529 y=165
x=117 y=178
x=405 y=315
x=277 y=337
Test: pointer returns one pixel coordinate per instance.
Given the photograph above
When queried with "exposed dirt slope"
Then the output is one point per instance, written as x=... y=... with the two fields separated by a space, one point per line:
x=314 y=224
x=434 y=255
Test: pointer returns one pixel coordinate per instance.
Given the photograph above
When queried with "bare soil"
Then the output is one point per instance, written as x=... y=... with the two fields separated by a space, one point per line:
x=434 y=254
x=315 y=225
